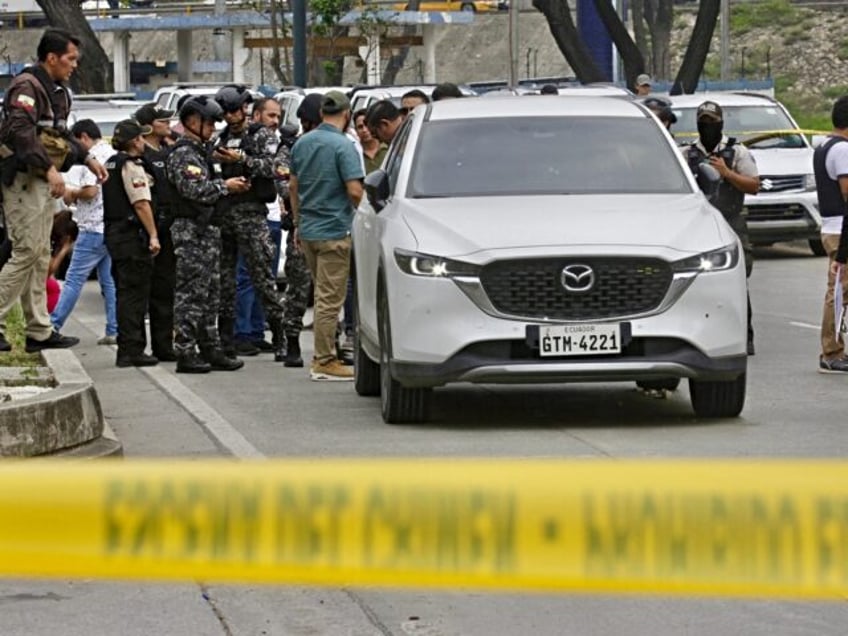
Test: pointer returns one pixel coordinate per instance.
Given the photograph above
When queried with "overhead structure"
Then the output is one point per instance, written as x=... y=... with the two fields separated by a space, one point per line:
x=237 y=22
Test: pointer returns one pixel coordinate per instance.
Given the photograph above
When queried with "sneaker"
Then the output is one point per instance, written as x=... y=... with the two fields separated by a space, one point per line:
x=55 y=341
x=837 y=365
x=140 y=360
x=332 y=371
x=244 y=349
x=4 y=344
x=108 y=340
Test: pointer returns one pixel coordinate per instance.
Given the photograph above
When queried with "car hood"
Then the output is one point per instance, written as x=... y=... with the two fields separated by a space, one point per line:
x=784 y=161
x=462 y=226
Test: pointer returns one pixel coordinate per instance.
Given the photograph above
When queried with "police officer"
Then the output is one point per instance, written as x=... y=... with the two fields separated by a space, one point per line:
x=739 y=177
x=662 y=109
x=197 y=241
x=34 y=148
x=298 y=278
x=157 y=145
x=132 y=238
x=246 y=150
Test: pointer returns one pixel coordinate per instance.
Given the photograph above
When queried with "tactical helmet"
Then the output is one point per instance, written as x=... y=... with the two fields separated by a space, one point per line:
x=231 y=98
x=202 y=105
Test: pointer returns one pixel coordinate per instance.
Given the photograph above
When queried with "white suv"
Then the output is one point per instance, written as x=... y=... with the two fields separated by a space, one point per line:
x=786 y=207
x=552 y=239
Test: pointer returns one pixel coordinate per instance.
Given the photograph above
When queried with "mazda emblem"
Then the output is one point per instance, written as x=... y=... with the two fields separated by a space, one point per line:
x=577 y=278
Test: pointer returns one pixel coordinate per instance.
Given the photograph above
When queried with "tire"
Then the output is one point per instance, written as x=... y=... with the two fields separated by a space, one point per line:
x=399 y=404
x=817 y=247
x=666 y=384
x=468 y=6
x=366 y=372
x=718 y=399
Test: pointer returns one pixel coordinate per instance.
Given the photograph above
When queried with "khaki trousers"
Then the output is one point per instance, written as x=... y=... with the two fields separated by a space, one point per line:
x=29 y=218
x=329 y=263
x=832 y=344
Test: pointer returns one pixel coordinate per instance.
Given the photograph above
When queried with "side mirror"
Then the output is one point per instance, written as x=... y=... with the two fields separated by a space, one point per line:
x=708 y=180
x=377 y=189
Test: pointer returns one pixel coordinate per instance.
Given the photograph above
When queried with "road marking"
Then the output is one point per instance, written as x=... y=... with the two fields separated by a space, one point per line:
x=222 y=433
x=804 y=325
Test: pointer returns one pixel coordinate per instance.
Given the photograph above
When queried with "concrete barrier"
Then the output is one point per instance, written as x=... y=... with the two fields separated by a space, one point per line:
x=65 y=420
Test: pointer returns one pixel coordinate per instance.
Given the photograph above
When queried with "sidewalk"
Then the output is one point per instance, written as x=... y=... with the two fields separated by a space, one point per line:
x=151 y=422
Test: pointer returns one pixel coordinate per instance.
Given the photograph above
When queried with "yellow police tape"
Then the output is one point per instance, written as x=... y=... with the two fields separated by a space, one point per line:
x=772 y=528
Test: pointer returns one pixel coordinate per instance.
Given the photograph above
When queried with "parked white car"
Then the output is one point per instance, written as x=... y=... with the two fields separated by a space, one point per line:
x=786 y=207
x=584 y=252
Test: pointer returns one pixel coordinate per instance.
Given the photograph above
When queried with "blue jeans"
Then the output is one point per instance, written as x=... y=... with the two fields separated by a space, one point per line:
x=89 y=253
x=250 y=318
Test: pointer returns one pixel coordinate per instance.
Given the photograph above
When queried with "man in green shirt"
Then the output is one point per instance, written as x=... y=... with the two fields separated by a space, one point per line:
x=325 y=187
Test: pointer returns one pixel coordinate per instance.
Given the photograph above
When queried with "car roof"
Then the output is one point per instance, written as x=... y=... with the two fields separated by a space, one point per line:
x=598 y=90
x=722 y=99
x=536 y=106
x=401 y=90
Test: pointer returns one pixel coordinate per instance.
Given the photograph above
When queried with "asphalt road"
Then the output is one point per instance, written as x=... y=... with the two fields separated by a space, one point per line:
x=267 y=410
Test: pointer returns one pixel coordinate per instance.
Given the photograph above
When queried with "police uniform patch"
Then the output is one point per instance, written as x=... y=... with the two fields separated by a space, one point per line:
x=139 y=182
x=282 y=172
x=193 y=172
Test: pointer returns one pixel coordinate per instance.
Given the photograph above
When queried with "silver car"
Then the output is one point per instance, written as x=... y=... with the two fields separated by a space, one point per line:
x=518 y=240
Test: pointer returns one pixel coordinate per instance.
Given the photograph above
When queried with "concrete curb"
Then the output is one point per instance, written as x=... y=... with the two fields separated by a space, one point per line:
x=67 y=420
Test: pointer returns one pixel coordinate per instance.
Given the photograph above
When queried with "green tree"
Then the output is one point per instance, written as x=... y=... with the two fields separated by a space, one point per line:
x=94 y=72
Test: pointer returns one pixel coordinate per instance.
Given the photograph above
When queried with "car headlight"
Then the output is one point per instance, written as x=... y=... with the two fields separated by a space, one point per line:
x=433 y=266
x=715 y=261
x=809 y=182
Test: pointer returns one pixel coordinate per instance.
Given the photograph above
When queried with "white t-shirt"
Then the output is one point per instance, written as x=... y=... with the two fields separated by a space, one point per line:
x=836 y=164
x=89 y=214
x=274 y=206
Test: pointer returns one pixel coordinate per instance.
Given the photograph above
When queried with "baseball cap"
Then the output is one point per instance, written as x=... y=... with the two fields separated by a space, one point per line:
x=335 y=102
x=310 y=108
x=129 y=129
x=149 y=113
x=643 y=79
x=710 y=111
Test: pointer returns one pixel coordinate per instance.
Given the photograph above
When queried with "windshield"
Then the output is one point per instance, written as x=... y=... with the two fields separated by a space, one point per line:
x=544 y=155
x=743 y=122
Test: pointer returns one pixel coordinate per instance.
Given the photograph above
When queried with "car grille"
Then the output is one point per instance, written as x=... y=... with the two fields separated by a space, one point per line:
x=781 y=183
x=776 y=212
x=533 y=287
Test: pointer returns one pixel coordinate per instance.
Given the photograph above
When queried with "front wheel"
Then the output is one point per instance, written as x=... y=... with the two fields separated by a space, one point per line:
x=366 y=372
x=399 y=404
x=723 y=398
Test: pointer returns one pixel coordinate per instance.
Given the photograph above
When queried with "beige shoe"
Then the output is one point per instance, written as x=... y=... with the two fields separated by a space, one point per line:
x=332 y=371
x=108 y=340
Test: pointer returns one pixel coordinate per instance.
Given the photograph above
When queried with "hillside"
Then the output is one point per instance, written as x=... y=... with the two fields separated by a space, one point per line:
x=805 y=50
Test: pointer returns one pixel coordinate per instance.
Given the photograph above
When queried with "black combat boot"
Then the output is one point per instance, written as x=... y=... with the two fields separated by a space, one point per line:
x=226 y=329
x=220 y=361
x=278 y=341
x=192 y=363
x=293 y=358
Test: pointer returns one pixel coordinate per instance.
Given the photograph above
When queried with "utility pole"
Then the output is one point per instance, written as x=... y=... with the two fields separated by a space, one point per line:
x=219 y=36
x=725 y=40
x=513 y=43
x=299 y=37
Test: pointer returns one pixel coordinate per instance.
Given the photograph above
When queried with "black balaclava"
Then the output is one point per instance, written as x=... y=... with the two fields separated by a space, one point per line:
x=710 y=134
